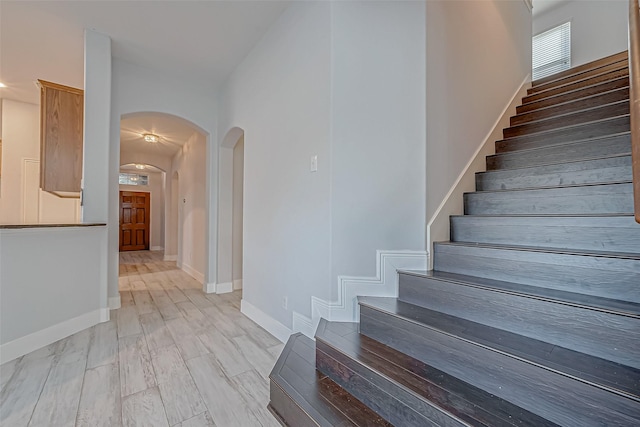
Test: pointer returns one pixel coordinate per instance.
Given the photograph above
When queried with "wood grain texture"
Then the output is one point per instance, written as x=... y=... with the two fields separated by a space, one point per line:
x=583 y=233
x=615 y=83
x=19 y=397
x=520 y=383
x=580 y=132
x=61 y=396
x=155 y=331
x=598 y=199
x=618 y=70
x=136 y=371
x=592 y=149
x=103 y=348
x=604 y=276
x=144 y=408
x=61 y=139
x=100 y=403
x=571 y=106
x=598 y=112
x=223 y=401
x=608 y=60
x=200 y=420
x=179 y=393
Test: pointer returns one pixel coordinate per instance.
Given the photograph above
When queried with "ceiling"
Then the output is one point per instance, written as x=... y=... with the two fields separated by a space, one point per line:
x=174 y=132
x=131 y=168
x=199 y=41
x=542 y=6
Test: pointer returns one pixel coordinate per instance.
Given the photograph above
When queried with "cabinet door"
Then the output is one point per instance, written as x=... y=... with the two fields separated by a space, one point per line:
x=62 y=114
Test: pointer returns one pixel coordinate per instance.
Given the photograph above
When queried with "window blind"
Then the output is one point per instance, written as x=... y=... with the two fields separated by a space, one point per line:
x=552 y=51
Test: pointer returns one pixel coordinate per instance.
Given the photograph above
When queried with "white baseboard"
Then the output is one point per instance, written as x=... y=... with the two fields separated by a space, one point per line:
x=438 y=225
x=192 y=272
x=237 y=284
x=170 y=258
x=114 y=302
x=157 y=248
x=224 y=288
x=384 y=284
x=209 y=288
x=28 y=343
x=270 y=324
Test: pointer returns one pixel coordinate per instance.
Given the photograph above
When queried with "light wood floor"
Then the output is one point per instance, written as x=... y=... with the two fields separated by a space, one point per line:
x=170 y=356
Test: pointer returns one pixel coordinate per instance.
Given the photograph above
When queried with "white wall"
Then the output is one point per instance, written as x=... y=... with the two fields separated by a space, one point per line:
x=238 y=174
x=62 y=295
x=378 y=133
x=189 y=162
x=156 y=191
x=598 y=27
x=139 y=89
x=21 y=200
x=280 y=97
x=478 y=55
x=343 y=82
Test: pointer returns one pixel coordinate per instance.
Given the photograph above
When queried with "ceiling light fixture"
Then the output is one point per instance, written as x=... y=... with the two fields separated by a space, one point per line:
x=2 y=84
x=149 y=137
x=139 y=166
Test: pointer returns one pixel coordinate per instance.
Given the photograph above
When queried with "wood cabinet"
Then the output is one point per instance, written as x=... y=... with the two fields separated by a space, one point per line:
x=61 y=136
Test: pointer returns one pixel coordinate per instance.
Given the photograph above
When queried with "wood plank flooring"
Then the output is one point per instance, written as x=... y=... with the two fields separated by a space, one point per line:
x=170 y=356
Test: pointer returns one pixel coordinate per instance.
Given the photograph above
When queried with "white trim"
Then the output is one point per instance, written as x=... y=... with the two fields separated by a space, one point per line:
x=438 y=225
x=209 y=288
x=170 y=258
x=224 y=288
x=384 y=284
x=529 y=4
x=114 y=303
x=270 y=324
x=157 y=248
x=192 y=272
x=237 y=284
x=28 y=343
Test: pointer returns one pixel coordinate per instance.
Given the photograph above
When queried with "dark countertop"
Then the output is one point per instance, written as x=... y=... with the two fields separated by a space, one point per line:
x=16 y=226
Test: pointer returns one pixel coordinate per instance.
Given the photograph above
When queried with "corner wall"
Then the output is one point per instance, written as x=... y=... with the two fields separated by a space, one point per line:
x=478 y=55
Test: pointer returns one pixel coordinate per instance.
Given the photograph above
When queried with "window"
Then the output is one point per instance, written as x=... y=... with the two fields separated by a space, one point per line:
x=552 y=51
x=133 y=179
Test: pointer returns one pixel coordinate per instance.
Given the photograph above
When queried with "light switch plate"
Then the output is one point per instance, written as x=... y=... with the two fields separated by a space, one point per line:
x=313 y=166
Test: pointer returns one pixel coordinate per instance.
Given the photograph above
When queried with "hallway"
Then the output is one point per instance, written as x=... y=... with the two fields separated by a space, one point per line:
x=170 y=356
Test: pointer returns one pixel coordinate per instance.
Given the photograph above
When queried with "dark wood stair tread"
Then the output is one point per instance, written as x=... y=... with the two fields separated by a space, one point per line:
x=599 y=63
x=470 y=404
x=607 y=305
x=613 y=377
x=317 y=399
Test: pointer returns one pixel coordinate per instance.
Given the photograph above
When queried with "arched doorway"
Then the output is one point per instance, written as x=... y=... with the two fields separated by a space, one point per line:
x=230 y=211
x=180 y=149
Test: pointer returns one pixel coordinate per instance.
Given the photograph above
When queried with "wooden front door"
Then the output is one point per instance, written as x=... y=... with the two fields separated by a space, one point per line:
x=134 y=221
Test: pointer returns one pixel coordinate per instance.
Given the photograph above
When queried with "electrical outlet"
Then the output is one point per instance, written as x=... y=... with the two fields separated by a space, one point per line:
x=285 y=302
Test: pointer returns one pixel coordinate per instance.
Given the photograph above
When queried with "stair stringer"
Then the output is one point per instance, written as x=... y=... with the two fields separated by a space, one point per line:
x=384 y=284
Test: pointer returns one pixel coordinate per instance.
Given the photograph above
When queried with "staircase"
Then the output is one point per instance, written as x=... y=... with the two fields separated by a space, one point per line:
x=531 y=316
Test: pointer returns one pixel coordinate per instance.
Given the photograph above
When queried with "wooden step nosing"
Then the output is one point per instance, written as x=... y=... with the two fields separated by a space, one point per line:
x=395 y=382
x=578 y=76
x=522 y=294
x=620 y=66
x=295 y=401
x=504 y=353
x=539 y=249
x=541 y=165
x=592 y=65
x=561 y=144
x=560 y=128
x=585 y=88
x=555 y=187
x=573 y=101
